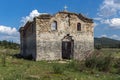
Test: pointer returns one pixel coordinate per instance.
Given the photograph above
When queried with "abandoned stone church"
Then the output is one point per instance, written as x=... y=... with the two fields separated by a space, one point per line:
x=64 y=35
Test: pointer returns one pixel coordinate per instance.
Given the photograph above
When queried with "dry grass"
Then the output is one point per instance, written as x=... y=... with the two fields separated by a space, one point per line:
x=20 y=69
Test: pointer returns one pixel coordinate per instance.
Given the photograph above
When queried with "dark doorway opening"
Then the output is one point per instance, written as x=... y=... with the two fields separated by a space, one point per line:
x=67 y=47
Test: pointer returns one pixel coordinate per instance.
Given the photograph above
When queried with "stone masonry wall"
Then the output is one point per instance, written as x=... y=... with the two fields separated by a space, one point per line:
x=29 y=41
x=48 y=42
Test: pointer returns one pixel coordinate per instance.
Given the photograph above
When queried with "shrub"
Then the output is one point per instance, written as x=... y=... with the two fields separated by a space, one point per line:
x=72 y=65
x=117 y=65
x=90 y=62
x=76 y=65
x=58 y=69
x=101 y=62
x=4 y=58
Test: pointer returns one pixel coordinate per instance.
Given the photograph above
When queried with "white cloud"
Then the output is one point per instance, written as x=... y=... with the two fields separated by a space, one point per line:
x=10 y=38
x=109 y=13
x=104 y=35
x=114 y=36
x=32 y=14
x=109 y=8
x=8 y=30
x=97 y=18
x=95 y=24
x=9 y=33
x=114 y=23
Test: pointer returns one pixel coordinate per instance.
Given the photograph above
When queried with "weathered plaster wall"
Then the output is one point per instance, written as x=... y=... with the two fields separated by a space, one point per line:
x=49 y=42
x=28 y=41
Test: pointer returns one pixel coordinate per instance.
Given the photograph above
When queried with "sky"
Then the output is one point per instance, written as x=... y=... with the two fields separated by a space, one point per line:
x=15 y=13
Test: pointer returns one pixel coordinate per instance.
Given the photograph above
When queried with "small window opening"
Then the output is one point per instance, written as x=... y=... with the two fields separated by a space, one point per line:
x=54 y=25
x=78 y=27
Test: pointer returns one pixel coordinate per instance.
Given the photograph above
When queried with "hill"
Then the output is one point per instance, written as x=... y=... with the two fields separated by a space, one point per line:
x=106 y=42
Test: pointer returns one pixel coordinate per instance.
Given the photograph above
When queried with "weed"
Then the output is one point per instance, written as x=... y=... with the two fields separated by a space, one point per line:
x=58 y=69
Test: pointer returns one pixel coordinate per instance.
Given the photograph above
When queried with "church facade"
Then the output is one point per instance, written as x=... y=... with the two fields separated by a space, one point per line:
x=65 y=35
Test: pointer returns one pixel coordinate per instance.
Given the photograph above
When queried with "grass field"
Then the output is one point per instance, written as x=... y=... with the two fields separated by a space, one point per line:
x=20 y=69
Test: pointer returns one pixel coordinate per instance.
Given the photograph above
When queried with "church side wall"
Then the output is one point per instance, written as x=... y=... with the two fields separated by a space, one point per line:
x=30 y=42
x=21 y=42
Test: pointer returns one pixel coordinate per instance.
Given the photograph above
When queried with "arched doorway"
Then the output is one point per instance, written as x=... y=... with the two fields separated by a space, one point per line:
x=67 y=47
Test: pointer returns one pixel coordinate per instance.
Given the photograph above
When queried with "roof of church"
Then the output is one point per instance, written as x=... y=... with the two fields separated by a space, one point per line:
x=45 y=16
x=25 y=26
x=48 y=16
x=80 y=16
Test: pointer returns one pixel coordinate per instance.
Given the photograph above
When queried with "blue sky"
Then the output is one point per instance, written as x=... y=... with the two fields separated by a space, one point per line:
x=14 y=13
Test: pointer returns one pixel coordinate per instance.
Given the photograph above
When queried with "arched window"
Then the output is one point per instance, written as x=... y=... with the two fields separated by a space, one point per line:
x=54 y=25
x=78 y=27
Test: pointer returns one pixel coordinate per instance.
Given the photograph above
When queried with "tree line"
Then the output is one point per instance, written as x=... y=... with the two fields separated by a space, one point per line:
x=9 y=44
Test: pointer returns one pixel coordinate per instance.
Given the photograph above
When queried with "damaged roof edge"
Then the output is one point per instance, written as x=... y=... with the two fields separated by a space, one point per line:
x=44 y=16
x=48 y=16
x=25 y=26
x=80 y=16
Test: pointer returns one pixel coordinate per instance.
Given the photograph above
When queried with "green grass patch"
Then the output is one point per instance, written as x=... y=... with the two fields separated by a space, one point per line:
x=20 y=69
